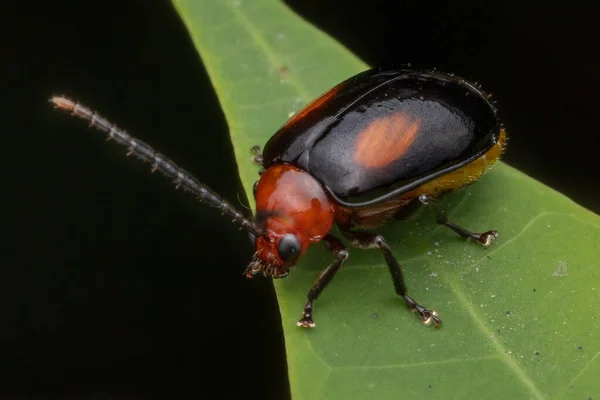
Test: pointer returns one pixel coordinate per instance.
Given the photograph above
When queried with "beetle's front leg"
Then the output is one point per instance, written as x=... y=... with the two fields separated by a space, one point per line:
x=484 y=239
x=337 y=247
x=258 y=158
x=368 y=240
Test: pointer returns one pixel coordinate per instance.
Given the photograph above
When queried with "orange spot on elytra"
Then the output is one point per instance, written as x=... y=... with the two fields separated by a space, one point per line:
x=385 y=140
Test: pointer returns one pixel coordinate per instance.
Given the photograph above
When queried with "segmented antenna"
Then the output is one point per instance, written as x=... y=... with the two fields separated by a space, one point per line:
x=144 y=152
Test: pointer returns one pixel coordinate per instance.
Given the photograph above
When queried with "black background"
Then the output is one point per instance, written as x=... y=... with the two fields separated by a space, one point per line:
x=113 y=285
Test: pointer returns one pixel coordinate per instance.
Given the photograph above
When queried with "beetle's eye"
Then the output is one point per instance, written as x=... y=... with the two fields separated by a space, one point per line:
x=289 y=248
x=252 y=238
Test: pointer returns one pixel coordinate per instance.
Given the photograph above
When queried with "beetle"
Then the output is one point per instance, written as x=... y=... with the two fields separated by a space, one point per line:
x=377 y=146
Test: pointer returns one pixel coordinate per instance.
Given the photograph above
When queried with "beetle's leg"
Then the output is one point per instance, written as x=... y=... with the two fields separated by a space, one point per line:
x=258 y=158
x=484 y=239
x=339 y=250
x=368 y=240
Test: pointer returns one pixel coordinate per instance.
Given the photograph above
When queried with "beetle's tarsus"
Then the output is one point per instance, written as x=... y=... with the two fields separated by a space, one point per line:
x=258 y=158
x=427 y=316
x=485 y=238
x=430 y=316
x=306 y=321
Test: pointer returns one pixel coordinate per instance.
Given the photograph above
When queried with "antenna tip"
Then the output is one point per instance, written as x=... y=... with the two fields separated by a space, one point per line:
x=62 y=102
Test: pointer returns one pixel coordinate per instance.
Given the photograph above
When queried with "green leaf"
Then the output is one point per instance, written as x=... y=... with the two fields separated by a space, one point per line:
x=521 y=320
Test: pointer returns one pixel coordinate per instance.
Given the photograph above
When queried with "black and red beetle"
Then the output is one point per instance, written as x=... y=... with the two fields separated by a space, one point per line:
x=377 y=146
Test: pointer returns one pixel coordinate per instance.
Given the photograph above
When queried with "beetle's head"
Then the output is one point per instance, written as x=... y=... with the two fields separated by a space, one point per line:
x=275 y=254
x=293 y=211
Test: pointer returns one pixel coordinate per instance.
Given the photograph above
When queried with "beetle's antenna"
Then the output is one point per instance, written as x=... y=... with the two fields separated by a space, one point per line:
x=144 y=152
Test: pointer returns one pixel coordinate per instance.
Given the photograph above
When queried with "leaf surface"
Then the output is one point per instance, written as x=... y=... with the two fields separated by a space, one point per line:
x=520 y=319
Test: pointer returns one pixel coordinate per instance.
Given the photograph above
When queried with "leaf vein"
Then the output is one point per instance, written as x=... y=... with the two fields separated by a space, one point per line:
x=415 y=365
x=502 y=351
x=572 y=381
x=317 y=355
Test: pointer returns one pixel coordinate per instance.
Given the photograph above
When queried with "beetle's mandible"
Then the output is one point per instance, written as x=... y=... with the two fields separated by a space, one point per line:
x=375 y=147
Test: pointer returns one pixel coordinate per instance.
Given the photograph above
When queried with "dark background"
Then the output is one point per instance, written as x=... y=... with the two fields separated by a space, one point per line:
x=113 y=285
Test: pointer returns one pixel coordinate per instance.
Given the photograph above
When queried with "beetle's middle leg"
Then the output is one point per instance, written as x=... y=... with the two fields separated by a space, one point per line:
x=368 y=240
x=484 y=239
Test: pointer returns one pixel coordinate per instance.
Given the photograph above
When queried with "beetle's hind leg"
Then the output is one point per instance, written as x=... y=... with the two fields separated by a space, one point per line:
x=368 y=240
x=484 y=239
